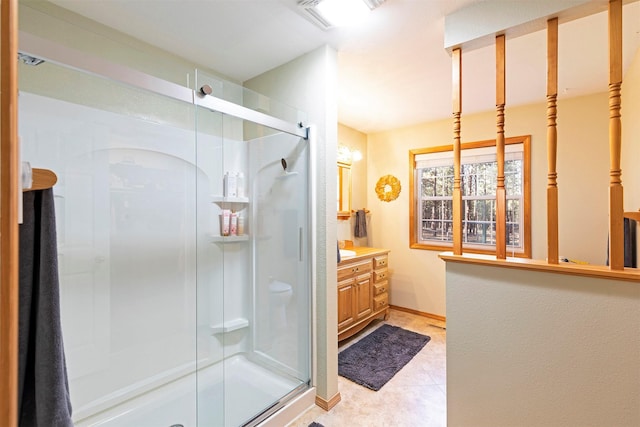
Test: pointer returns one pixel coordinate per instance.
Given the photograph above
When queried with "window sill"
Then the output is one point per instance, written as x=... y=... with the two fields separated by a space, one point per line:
x=489 y=252
x=601 y=271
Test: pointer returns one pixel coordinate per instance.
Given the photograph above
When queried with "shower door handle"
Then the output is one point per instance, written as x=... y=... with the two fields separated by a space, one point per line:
x=300 y=244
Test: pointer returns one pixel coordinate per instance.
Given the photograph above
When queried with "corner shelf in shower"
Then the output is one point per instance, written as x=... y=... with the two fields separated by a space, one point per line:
x=223 y=199
x=230 y=239
x=229 y=326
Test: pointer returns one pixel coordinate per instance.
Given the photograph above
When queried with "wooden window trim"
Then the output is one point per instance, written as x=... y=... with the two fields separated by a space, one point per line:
x=413 y=237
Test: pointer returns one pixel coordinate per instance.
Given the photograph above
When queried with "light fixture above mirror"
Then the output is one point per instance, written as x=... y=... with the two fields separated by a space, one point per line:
x=347 y=156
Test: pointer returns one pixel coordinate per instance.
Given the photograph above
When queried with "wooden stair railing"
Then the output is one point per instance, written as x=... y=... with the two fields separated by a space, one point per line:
x=616 y=209
x=616 y=206
x=552 y=141
x=457 y=111
x=501 y=198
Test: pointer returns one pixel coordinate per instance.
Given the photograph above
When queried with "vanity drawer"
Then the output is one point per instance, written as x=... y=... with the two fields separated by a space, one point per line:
x=380 y=275
x=354 y=269
x=381 y=301
x=380 y=262
x=380 y=288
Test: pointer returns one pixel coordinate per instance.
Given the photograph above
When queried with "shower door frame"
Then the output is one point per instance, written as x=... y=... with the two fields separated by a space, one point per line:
x=83 y=62
x=67 y=57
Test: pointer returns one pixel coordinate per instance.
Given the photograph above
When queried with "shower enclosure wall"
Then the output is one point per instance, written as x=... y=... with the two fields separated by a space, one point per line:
x=167 y=321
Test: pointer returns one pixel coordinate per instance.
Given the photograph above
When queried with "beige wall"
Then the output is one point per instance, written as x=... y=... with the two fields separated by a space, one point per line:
x=529 y=348
x=355 y=140
x=631 y=138
x=418 y=280
x=631 y=135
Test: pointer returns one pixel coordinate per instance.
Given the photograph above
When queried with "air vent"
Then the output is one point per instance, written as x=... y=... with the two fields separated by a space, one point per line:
x=311 y=12
x=373 y=3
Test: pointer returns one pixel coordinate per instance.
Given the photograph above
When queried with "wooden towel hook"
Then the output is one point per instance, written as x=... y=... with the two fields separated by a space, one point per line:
x=42 y=179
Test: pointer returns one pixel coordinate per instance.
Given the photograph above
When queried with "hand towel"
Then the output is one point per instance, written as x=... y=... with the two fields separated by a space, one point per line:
x=360 y=229
x=630 y=244
x=43 y=390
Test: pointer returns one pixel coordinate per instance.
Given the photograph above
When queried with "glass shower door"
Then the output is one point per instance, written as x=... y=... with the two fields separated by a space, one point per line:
x=126 y=227
x=254 y=272
x=168 y=318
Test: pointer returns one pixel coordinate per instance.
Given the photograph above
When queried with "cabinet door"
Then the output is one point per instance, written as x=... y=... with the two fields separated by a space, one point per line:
x=364 y=296
x=346 y=299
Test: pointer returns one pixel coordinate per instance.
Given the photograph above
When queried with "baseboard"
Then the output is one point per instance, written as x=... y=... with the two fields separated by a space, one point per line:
x=419 y=313
x=328 y=404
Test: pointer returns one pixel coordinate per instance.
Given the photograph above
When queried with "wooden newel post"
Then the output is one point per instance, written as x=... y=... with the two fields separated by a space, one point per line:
x=457 y=110
x=501 y=195
x=616 y=208
x=552 y=137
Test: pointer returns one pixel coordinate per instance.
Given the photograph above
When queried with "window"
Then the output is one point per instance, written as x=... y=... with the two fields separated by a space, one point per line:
x=431 y=197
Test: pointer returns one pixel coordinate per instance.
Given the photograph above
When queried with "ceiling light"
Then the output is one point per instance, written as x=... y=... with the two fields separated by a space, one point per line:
x=338 y=13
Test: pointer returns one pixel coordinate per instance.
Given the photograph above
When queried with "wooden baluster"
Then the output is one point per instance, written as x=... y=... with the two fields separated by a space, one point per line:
x=9 y=189
x=616 y=211
x=552 y=137
x=501 y=208
x=457 y=110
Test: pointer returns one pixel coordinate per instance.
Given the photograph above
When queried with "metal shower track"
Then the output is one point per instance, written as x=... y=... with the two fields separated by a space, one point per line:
x=67 y=57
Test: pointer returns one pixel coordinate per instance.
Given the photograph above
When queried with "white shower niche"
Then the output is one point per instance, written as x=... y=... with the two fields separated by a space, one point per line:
x=165 y=320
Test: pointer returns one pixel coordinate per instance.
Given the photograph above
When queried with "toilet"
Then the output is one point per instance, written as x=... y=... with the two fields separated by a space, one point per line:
x=280 y=294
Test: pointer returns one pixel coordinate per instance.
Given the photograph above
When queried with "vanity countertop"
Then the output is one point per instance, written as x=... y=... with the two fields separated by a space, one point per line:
x=361 y=252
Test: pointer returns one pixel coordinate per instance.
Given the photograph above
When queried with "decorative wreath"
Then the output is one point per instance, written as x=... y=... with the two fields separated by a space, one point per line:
x=388 y=188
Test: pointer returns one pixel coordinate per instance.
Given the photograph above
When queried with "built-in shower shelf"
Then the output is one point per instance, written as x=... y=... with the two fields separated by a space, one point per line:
x=229 y=326
x=222 y=199
x=229 y=239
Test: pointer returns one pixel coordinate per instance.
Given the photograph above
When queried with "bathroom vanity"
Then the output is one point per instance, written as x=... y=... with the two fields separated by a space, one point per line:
x=363 y=289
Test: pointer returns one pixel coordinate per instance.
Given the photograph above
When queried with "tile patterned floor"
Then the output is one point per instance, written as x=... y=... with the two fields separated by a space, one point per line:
x=415 y=396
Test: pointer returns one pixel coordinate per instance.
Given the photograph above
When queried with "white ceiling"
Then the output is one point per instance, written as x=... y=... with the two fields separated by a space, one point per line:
x=392 y=69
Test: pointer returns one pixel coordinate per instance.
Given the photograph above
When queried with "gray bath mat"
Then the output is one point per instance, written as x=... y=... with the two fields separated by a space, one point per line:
x=376 y=358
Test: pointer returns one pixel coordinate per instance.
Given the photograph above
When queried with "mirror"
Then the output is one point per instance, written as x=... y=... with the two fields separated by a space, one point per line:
x=344 y=190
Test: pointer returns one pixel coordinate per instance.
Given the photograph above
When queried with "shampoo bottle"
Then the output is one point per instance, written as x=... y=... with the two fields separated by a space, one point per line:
x=240 y=224
x=225 y=219
x=240 y=185
x=230 y=185
x=233 y=230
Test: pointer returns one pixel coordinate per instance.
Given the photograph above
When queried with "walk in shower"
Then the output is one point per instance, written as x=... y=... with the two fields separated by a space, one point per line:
x=172 y=314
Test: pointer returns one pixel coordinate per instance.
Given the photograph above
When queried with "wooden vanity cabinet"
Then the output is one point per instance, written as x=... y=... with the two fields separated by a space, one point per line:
x=363 y=288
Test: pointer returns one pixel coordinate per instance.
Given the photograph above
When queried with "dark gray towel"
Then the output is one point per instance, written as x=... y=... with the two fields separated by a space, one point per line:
x=360 y=229
x=630 y=243
x=43 y=390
